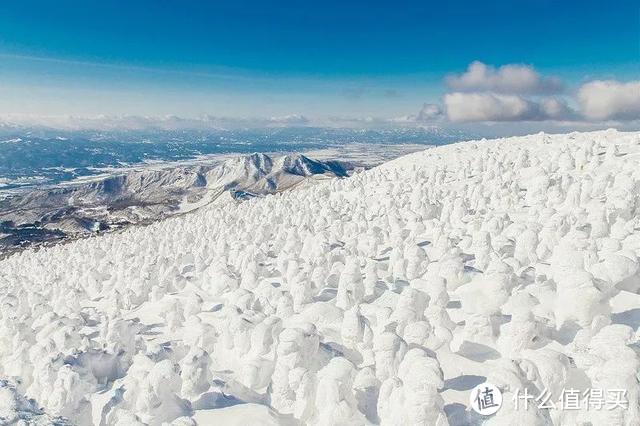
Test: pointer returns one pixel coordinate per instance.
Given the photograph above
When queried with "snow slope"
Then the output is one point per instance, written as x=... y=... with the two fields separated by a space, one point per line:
x=383 y=298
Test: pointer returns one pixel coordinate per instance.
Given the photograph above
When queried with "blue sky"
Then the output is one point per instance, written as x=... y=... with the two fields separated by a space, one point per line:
x=256 y=58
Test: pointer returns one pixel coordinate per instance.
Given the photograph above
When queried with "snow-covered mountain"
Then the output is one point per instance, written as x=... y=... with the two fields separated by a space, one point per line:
x=260 y=174
x=152 y=193
x=381 y=298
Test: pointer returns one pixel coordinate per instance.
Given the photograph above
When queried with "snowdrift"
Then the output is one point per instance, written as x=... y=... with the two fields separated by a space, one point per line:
x=383 y=298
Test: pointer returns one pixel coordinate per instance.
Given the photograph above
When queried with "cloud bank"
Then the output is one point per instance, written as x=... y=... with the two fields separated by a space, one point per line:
x=610 y=100
x=497 y=107
x=514 y=92
x=136 y=122
x=512 y=78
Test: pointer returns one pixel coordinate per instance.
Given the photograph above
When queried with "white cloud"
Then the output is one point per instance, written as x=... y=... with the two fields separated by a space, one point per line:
x=486 y=93
x=429 y=112
x=556 y=109
x=610 y=99
x=498 y=107
x=511 y=78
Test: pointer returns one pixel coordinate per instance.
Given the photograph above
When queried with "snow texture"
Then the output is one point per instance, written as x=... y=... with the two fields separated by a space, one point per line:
x=382 y=298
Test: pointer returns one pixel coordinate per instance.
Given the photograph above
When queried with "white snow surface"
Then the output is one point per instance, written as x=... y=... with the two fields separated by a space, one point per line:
x=382 y=298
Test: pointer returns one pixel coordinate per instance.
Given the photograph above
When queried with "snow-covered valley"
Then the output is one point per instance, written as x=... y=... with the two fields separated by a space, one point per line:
x=381 y=298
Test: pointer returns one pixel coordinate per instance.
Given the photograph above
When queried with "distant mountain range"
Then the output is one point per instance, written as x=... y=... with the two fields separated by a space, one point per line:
x=152 y=193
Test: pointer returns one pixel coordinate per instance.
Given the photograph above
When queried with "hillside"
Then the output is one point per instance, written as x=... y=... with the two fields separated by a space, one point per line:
x=382 y=298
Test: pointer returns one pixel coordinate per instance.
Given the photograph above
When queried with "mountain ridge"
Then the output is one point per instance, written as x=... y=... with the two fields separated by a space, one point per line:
x=148 y=194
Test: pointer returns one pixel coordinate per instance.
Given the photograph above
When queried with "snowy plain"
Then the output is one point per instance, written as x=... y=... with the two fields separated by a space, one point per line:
x=382 y=298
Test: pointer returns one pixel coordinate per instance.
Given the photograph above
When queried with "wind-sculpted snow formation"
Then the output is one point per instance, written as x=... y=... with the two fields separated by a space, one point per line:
x=382 y=298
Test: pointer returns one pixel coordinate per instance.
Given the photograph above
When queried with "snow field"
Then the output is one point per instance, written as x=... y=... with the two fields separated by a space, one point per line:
x=382 y=298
